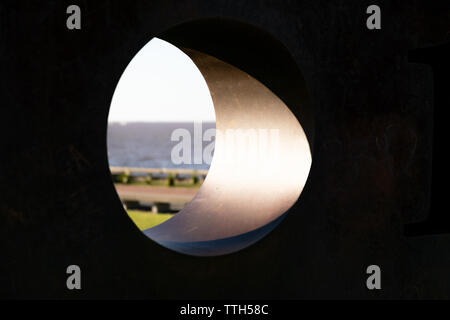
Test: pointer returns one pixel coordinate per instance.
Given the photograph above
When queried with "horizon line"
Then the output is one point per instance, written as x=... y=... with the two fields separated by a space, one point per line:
x=161 y=121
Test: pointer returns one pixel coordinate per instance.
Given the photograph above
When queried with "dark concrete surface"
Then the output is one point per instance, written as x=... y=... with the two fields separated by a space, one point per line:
x=371 y=171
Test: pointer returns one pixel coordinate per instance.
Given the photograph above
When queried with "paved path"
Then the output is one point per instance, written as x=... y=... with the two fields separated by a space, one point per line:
x=150 y=194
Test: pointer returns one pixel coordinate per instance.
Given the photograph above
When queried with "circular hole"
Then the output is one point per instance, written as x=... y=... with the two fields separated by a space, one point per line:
x=262 y=155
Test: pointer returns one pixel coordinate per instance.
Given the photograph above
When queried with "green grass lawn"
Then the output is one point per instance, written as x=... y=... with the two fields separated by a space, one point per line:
x=145 y=220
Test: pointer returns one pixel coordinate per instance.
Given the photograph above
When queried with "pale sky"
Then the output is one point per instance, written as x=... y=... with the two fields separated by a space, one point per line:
x=161 y=84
